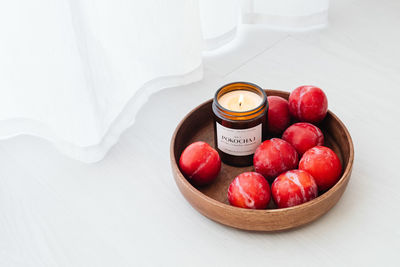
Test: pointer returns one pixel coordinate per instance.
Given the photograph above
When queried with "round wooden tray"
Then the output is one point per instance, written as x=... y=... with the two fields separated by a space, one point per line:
x=212 y=200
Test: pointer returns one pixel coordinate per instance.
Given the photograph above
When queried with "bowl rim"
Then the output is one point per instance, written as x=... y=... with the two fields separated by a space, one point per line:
x=343 y=179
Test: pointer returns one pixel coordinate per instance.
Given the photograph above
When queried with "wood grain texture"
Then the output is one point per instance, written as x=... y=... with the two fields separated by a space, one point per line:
x=212 y=201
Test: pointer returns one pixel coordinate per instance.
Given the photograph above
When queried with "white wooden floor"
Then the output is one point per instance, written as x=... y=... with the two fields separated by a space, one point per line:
x=127 y=211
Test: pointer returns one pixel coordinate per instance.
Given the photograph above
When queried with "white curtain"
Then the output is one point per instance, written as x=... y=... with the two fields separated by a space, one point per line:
x=76 y=72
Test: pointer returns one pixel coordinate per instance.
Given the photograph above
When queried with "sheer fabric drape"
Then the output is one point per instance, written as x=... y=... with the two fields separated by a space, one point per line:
x=76 y=72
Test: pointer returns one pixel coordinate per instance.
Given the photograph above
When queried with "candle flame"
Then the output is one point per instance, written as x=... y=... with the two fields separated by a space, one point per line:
x=240 y=100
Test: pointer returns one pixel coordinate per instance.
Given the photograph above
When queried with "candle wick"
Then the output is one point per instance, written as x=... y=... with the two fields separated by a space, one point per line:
x=240 y=100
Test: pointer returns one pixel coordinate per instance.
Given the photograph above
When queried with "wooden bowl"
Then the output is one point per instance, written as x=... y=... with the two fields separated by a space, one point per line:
x=212 y=200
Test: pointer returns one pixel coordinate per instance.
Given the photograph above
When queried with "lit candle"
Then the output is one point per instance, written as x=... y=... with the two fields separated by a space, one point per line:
x=240 y=114
x=240 y=100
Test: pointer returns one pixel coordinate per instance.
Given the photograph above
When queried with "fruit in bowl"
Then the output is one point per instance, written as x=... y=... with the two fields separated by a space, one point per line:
x=249 y=190
x=200 y=163
x=293 y=188
x=273 y=157
x=303 y=136
x=308 y=103
x=278 y=115
x=323 y=164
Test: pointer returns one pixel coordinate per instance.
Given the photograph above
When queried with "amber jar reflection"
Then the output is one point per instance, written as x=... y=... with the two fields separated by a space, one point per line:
x=238 y=133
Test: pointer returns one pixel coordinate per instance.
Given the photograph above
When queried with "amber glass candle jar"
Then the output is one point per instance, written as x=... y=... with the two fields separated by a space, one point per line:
x=240 y=114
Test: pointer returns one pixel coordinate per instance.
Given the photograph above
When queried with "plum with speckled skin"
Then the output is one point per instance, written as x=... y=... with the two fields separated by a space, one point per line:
x=278 y=115
x=303 y=136
x=323 y=164
x=200 y=163
x=293 y=188
x=249 y=190
x=273 y=157
x=308 y=103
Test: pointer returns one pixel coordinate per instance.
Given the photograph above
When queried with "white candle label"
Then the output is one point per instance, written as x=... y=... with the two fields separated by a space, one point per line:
x=239 y=142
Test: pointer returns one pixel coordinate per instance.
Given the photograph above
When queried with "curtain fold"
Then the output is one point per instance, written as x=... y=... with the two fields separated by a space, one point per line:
x=76 y=72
